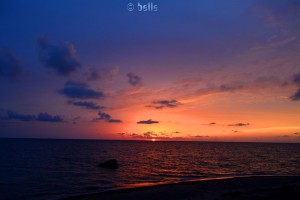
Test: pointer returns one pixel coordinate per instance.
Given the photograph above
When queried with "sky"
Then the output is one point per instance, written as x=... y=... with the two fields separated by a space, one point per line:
x=188 y=70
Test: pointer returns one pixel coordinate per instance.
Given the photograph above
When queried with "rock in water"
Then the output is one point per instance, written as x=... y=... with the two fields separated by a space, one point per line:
x=109 y=164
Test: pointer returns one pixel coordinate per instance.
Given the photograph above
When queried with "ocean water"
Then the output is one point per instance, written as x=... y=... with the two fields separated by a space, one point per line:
x=50 y=169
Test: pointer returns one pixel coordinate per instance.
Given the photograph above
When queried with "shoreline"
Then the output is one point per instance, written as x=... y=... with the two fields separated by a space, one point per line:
x=224 y=188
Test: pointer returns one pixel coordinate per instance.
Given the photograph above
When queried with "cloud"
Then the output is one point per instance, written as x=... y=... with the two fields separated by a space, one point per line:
x=114 y=121
x=196 y=88
x=296 y=133
x=150 y=135
x=122 y=134
x=296 y=95
x=80 y=91
x=239 y=124
x=108 y=75
x=230 y=87
x=210 y=124
x=21 y=117
x=45 y=117
x=279 y=13
x=146 y=135
x=10 y=66
x=106 y=117
x=86 y=104
x=201 y=136
x=296 y=79
x=61 y=58
x=42 y=117
x=149 y=121
x=135 y=135
x=134 y=79
x=164 y=104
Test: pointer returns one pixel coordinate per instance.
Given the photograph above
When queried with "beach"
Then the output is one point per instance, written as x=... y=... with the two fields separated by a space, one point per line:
x=237 y=188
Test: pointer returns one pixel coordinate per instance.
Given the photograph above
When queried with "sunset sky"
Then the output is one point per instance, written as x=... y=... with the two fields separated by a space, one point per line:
x=193 y=70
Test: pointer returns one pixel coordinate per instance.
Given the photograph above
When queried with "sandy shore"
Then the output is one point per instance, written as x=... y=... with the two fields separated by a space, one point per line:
x=242 y=188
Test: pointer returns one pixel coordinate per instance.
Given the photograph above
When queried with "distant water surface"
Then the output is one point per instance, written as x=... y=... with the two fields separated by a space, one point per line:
x=50 y=169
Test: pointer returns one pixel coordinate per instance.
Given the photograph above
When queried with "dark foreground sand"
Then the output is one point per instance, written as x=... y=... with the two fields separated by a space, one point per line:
x=242 y=188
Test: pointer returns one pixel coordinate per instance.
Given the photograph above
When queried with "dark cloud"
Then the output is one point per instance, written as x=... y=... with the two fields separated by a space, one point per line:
x=296 y=79
x=239 y=124
x=136 y=135
x=106 y=117
x=134 y=79
x=296 y=133
x=201 y=136
x=150 y=135
x=80 y=91
x=86 y=104
x=21 y=117
x=210 y=124
x=114 y=121
x=149 y=121
x=61 y=58
x=45 y=117
x=42 y=117
x=108 y=75
x=164 y=104
x=147 y=135
x=122 y=134
x=10 y=66
x=296 y=96
x=232 y=87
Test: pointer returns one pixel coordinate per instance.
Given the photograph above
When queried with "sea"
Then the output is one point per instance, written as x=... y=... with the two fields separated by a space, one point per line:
x=50 y=169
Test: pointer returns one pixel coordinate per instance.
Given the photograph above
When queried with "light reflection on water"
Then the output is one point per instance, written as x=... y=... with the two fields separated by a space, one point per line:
x=42 y=169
